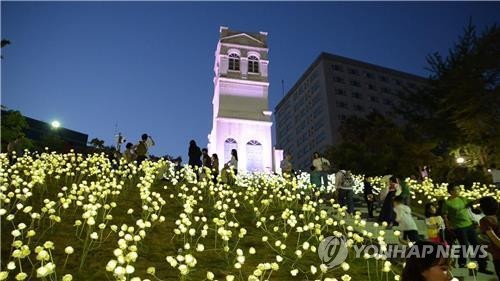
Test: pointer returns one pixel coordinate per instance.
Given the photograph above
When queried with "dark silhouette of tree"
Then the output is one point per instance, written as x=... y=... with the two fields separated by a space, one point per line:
x=459 y=110
x=375 y=145
x=4 y=43
x=97 y=143
x=13 y=125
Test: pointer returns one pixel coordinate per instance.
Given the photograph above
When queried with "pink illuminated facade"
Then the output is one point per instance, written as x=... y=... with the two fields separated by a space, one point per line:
x=241 y=116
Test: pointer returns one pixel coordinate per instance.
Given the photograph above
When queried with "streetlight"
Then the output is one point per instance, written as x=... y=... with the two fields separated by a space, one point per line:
x=55 y=124
x=460 y=160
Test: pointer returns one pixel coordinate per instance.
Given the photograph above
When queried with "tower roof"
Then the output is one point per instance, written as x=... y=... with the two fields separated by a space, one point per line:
x=256 y=39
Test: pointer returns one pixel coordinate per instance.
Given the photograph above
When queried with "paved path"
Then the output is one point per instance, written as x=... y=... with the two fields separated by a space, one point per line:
x=390 y=238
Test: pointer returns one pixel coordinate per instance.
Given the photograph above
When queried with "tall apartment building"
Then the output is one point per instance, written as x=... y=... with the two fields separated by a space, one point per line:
x=331 y=89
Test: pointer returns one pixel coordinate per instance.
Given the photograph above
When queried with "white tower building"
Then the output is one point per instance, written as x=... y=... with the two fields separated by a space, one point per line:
x=241 y=117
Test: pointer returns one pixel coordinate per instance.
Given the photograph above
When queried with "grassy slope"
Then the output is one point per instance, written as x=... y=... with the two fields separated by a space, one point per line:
x=160 y=241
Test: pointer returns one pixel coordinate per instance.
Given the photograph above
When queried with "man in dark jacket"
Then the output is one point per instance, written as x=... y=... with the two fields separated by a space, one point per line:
x=194 y=154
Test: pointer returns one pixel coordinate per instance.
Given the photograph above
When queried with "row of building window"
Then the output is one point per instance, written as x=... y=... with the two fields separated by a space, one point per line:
x=369 y=75
x=344 y=105
x=370 y=86
x=234 y=63
x=308 y=90
x=301 y=106
x=314 y=120
x=358 y=95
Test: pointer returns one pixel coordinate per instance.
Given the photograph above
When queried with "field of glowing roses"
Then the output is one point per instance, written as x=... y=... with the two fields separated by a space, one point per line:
x=74 y=217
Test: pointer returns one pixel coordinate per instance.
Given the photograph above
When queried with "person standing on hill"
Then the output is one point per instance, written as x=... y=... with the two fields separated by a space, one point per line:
x=206 y=162
x=344 y=183
x=457 y=218
x=406 y=222
x=286 y=166
x=215 y=167
x=233 y=163
x=141 y=149
x=387 y=212
x=322 y=165
x=230 y=169
x=194 y=154
x=129 y=153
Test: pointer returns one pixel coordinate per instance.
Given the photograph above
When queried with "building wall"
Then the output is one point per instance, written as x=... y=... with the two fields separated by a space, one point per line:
x=330 y=90
x=244 y=132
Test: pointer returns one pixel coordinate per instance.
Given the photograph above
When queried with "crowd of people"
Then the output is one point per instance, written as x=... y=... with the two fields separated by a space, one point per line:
x=452 y=223
x=138 y=152
x=201 y=161
x=448 y=222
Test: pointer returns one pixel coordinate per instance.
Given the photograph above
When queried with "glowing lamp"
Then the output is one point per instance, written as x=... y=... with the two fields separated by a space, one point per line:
x=55 y=124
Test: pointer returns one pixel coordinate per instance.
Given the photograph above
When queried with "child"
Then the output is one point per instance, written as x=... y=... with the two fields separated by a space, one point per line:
x=489 y=226
x=405 y=220
x=315 y=177
x=435 y=225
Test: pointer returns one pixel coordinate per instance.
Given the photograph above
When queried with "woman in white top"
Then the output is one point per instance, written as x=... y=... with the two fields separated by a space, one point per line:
x=233 y=163
x=321 y=165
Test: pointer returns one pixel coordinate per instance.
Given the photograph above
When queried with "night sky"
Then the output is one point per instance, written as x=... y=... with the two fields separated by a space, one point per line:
x=148 y=67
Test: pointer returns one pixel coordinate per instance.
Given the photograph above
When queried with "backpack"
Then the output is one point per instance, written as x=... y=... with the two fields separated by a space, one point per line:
x=141 y=149
x=348 y=180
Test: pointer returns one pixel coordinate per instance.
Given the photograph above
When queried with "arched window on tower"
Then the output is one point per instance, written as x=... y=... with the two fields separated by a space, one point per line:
x=229 y=144
x=234 y=62
x=254 y=156
x=253 y=64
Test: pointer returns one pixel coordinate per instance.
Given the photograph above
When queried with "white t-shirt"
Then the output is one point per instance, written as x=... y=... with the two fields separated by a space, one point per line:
x=233 y=163
x=404 y=218
x=318 y=163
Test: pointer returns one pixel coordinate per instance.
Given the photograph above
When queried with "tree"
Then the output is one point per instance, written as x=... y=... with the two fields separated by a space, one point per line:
x=4 y=43
x=13 y=126
x=375 y=145
x=459 y=109
x=97 y=143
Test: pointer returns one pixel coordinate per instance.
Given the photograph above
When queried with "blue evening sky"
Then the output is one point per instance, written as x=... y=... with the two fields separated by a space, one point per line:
x=148 y=67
